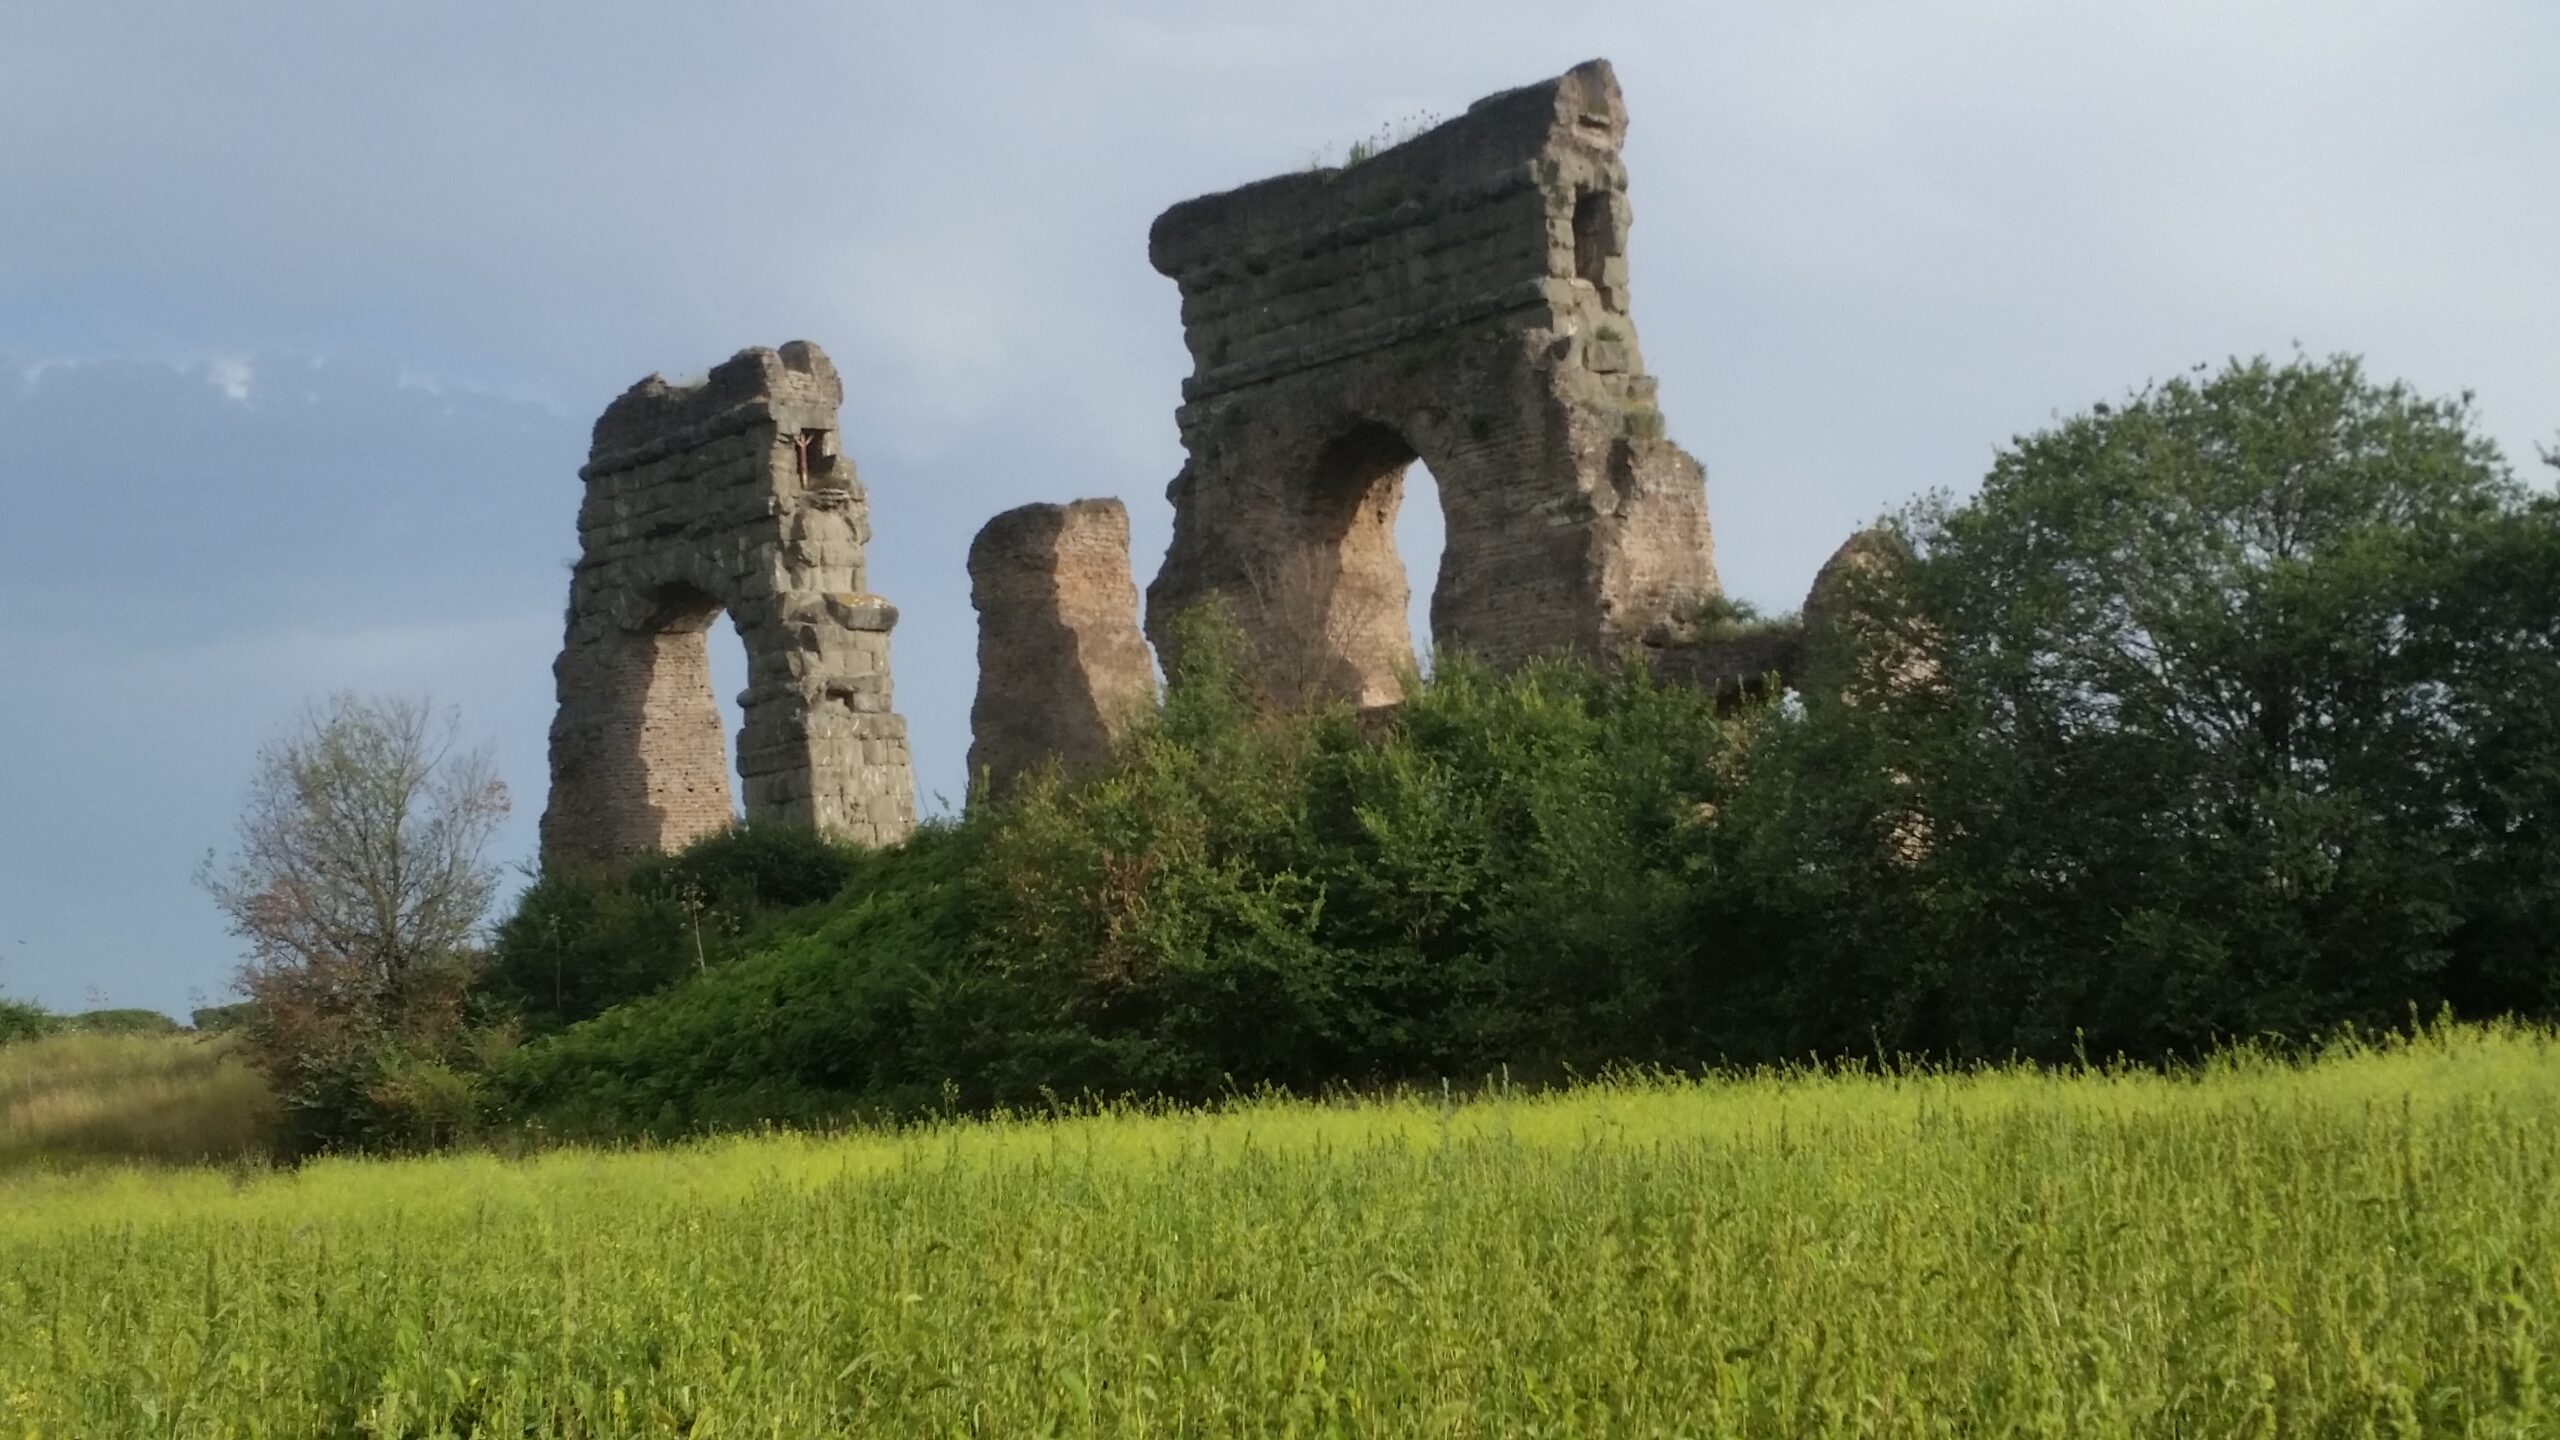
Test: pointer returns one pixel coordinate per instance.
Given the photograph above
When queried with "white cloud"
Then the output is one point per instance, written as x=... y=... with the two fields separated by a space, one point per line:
x=231 y=375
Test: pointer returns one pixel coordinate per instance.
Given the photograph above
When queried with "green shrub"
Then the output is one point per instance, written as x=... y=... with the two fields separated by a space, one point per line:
x=122 y=1022
x=22 y=1021
x=1495 y=874
x=868 y=1007
x=584 y=940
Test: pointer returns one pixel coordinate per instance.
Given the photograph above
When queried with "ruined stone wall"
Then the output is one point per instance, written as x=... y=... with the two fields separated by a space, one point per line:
x=732 y=495
x=1062 y=669
x=1460 y=298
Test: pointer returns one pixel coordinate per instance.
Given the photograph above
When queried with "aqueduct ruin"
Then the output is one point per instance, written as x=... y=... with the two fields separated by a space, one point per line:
x=732 y=495
x=1062 y=669
x=1458 y=299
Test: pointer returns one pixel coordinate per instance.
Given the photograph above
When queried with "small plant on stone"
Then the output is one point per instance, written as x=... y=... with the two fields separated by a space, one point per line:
x=1387 y=137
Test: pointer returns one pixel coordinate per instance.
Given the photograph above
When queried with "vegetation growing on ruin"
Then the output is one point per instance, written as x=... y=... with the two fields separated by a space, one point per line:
x=1377 y=142
x=2224 y=712
x=2349 y=1246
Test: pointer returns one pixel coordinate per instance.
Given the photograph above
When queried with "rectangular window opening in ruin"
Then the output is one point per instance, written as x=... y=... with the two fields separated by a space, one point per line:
x=817 y=454
x=1594 y=237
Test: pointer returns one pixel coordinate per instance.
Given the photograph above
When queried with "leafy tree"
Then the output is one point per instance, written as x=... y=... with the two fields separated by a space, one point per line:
x=2174 y=738
x=359 y=881
x=2493 y=629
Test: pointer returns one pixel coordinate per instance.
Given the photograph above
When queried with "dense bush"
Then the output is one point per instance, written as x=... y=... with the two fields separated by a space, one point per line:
x=1496 y=873
x=584 y=940
x=22 y=1021
x=866 y=1006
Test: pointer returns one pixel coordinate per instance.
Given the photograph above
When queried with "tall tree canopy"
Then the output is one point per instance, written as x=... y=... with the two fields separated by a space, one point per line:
x=2216 y=712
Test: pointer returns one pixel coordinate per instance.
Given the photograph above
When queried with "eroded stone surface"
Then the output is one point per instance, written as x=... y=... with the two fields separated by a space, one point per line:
x=1460 y=298
x=1062 y=669
x=1843 y=657
x=731 y=495
x=1736 y=662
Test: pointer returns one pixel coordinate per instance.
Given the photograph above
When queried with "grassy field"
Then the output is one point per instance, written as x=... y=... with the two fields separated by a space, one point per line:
x=89 y=1097
x=2367 y=1245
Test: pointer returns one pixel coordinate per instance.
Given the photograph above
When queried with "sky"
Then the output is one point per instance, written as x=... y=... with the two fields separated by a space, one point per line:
x=306 y=308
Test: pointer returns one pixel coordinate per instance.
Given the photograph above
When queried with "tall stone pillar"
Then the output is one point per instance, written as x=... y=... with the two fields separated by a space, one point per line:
x=1062 y=669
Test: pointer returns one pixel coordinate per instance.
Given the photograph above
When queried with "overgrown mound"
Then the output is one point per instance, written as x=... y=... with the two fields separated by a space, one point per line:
x=1500 y=874
x=2225 y=712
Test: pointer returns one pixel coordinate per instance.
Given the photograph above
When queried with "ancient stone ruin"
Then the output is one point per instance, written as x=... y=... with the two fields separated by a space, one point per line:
x=733 y=494
x=1460 y=298
x=1062 y=669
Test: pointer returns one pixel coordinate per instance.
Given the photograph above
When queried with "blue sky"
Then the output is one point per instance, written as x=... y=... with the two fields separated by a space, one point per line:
x=305 y=308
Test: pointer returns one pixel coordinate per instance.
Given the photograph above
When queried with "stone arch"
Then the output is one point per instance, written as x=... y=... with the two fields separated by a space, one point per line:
x=1328 y=597
x=677 y=746
x=1465 y=292
x=730 y=495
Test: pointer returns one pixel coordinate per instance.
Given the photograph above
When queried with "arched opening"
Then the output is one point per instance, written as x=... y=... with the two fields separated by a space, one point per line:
x=1335 y=614
x=680 y=746
x=1421 y=536
x=727 y=669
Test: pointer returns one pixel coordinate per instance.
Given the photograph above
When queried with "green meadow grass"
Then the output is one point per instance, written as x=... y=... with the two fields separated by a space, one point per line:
x=2368 y=1244
x=87 y=1097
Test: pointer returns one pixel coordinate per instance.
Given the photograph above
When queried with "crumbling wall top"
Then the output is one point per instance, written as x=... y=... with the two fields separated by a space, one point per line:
x=1487 y=150
x=1500 y=210
x=794 y=384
